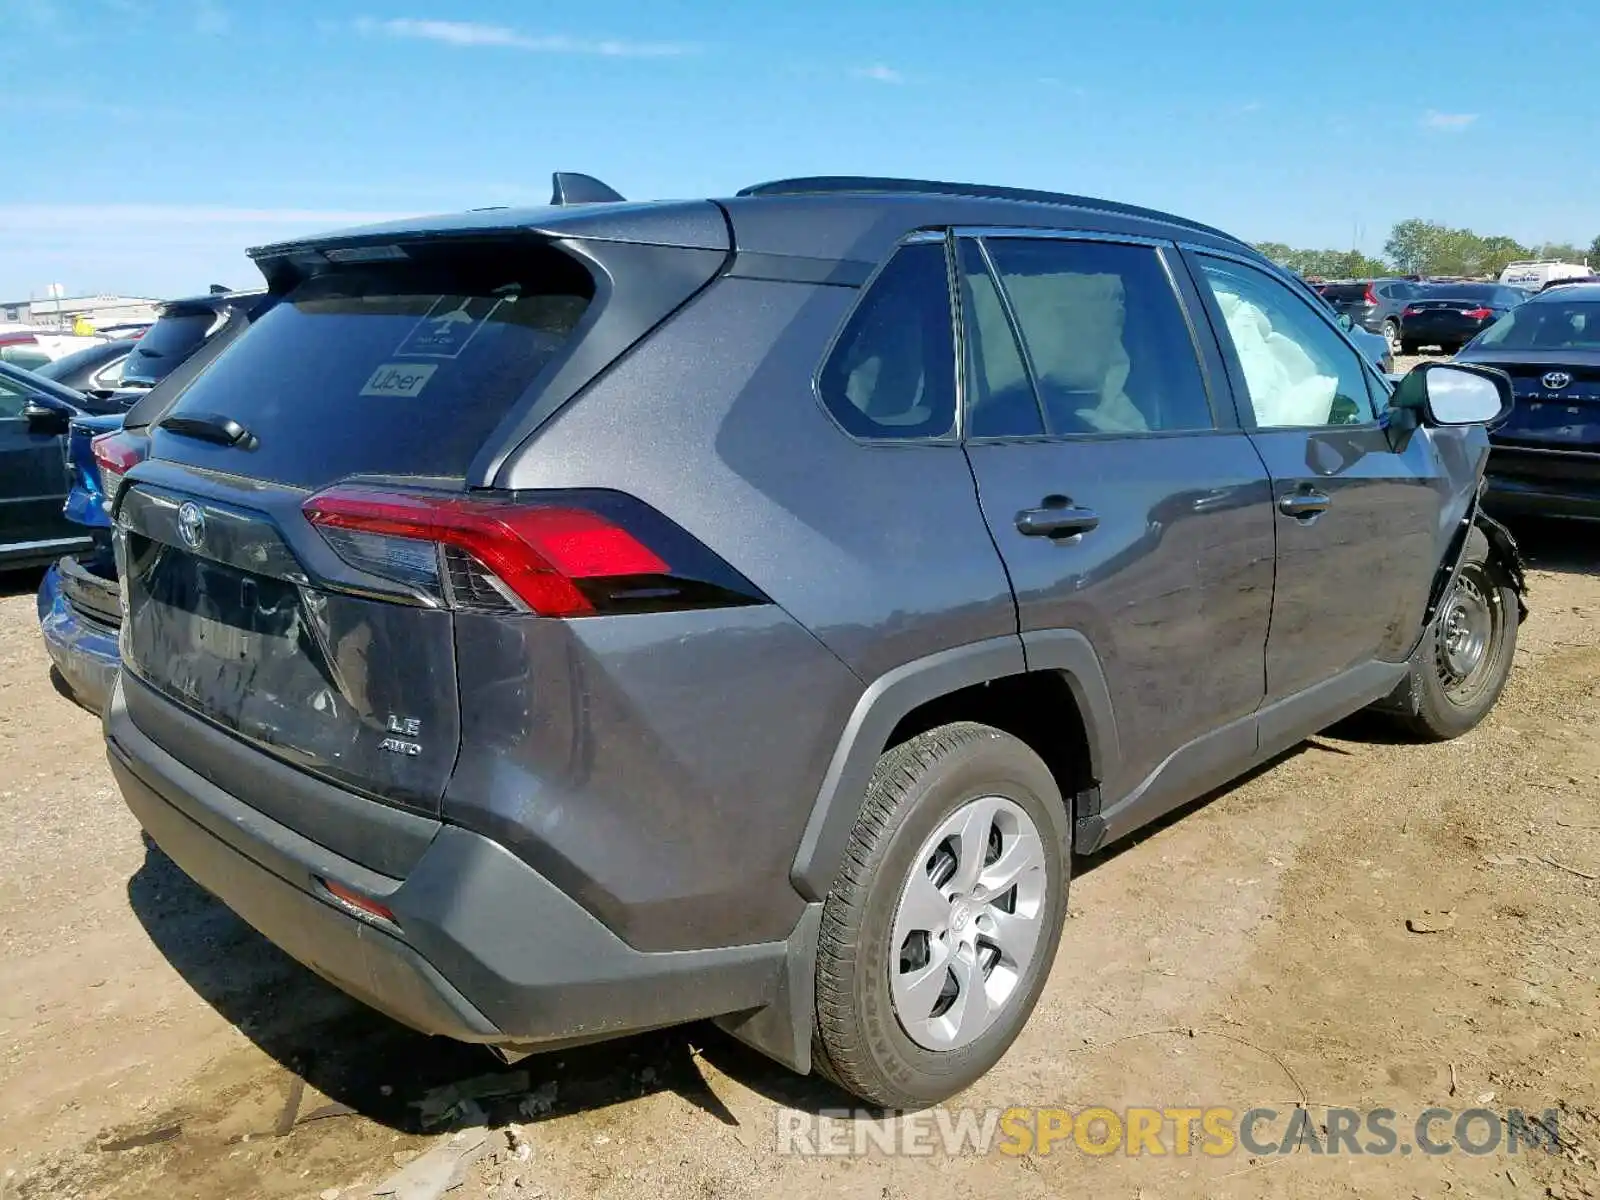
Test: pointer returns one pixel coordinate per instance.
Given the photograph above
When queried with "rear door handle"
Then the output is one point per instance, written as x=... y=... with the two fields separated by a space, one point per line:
x=1060 y=522
x=1304 y=505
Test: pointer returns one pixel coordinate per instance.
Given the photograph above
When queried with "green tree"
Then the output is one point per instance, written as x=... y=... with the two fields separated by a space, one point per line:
x=1594 y=252
x=1414 y=245
x=1564 y=251
x=1498 y=252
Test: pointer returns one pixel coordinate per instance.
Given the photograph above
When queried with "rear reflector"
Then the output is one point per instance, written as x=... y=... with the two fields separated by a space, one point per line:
x=116 y=453
x=355 y=900
x=560 y=554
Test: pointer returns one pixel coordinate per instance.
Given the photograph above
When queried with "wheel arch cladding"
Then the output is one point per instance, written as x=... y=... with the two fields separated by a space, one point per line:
x=892 y=700
x=1507 y=556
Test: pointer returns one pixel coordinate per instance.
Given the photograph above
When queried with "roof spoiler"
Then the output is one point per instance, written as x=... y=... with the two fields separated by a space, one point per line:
x=569 y=187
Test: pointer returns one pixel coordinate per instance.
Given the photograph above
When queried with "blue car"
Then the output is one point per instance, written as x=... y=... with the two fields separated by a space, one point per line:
x=80 y=609
x=80 y=600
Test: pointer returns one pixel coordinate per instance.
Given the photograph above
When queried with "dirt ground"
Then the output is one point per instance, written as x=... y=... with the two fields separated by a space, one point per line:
x=1252 y=951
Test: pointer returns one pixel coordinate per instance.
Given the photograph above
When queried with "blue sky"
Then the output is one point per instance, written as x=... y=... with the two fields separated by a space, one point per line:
x=148 y=142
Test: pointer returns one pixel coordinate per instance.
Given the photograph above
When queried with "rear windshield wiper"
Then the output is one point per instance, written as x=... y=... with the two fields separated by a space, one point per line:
x=209 y=427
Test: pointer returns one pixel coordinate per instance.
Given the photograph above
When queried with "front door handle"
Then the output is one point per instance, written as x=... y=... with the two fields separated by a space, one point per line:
x=1302 y=506
x=1062 y=522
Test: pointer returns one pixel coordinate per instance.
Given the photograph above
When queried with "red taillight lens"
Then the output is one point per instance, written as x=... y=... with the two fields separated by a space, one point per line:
x=1411 y=312
x=363 y=904
x=1371 y=297
x=115 y=454
x=495 y=555
x=1479 y=314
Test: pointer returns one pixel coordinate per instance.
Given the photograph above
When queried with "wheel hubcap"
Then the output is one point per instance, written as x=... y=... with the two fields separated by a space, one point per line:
x=968 y=923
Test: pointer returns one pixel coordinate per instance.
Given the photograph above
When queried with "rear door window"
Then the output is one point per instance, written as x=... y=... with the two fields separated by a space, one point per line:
x=1109 y=348
x=398 y=367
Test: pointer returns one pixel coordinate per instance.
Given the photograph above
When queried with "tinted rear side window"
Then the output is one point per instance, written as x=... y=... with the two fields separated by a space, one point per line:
x=397 y=368
x=892 y=371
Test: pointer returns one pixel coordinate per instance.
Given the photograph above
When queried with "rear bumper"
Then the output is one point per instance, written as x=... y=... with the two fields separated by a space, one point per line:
x=1551 y=483
x=83 y=650
x=1440 y=332
x=482 y=949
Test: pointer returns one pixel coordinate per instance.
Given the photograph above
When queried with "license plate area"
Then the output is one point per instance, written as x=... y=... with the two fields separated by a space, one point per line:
x=206 y=631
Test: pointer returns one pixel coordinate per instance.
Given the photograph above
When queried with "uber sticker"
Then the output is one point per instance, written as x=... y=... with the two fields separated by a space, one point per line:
x=451 y=323
x=399 y=379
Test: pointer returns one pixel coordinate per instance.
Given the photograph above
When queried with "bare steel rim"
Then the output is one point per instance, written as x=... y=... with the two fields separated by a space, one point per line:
x=1468 y=635
x=968 y=923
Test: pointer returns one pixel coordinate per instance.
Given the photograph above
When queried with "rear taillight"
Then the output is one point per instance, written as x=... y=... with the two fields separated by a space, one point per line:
x=1479 y=314
x=1411 y=311
x=1371 y=297
x=115 y=454
x=364 y=905
x=554 y=554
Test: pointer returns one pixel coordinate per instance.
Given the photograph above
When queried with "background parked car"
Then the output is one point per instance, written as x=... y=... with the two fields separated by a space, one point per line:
x=79 y=605
x=1449 y=315
x=182 y=328
x=96 y=368
x=1546 y=455
x=1372 y=304
x=34 y=417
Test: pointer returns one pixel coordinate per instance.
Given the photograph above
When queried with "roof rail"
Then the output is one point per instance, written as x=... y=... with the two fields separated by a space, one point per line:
x=569 y=187
x=871 y=185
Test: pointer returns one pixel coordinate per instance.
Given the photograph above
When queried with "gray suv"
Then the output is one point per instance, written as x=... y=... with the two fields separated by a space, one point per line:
x=558 y=623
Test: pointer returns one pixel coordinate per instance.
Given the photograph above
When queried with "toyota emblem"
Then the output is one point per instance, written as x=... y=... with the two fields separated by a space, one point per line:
x=191 y=525
x=1556 y=380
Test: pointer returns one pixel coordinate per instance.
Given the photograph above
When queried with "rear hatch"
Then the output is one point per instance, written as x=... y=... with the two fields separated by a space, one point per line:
x=1558 y=403
x=378 y=371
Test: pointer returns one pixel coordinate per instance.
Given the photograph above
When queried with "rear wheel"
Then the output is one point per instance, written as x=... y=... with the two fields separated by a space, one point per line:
x=1464 y=661
x=940 y=930
x=1391 y=331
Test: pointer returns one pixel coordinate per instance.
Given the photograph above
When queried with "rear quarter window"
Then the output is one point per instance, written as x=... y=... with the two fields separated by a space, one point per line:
x=395 y=368
x=892 y=372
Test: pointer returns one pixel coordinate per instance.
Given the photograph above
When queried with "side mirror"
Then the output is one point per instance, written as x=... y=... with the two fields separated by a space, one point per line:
x=44 y=419
x=1445 y=394
x=1345 y=323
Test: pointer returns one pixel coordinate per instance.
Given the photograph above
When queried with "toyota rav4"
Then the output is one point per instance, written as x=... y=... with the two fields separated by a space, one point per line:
x=557 y=623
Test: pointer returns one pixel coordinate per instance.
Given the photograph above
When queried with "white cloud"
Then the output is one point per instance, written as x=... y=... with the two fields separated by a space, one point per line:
x=879 y=73
x=1448 y=122
x=469 y=33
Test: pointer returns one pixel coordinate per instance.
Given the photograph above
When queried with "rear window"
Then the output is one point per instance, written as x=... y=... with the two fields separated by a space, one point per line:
x=1345 y=291
x=395 y=367
x=1486 y=293
x=177 y=335
x=1543 y=325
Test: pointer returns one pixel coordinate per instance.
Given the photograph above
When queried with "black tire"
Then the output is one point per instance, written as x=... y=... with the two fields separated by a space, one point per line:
x=1391 y=333
x=860 y=1043
x=1435 y=703
x=1410 y=348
